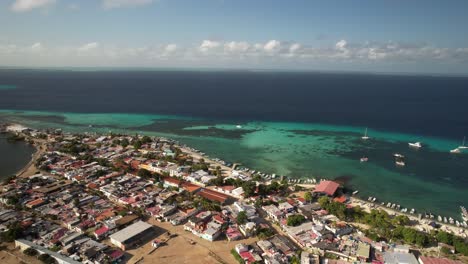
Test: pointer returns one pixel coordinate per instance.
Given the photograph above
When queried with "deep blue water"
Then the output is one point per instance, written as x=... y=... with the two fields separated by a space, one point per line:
x=295 y=124
x=431 y=106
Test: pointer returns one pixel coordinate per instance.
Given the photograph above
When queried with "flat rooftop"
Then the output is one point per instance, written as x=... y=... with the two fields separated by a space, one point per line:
x=131 y=231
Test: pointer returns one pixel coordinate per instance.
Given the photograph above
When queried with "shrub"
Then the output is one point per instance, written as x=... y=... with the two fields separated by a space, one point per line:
x=30 y=252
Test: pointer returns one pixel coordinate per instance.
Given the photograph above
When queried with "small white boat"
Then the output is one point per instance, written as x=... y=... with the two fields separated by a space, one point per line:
x=398 y=155
x=400 y=163
x=415 y=145
x=355 y=192
x=455 y=151
x=464 y=213
x=439 y=218
x=364 y=159
x=365 y=137
x=445 y=219
x=238 y=126
x=374 y=199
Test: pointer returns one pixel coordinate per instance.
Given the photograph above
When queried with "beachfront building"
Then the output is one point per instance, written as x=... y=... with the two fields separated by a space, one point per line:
x=328 y=188
x=131 y=235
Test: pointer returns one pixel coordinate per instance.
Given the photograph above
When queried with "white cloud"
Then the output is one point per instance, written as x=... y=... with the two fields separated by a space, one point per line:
x=272 y=53
x=36 y=46
x=89 y=46
x=272 y=46
x=341 y=45
x=170 y=48
x=234 y=46
x=26 y=5
x=110 y=4
x=294 y=47
x=208 y=45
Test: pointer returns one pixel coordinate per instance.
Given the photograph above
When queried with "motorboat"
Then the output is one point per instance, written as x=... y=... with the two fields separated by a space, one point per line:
x=364 y=159
x=400 y=163
x=415 y=145
x=455 y=151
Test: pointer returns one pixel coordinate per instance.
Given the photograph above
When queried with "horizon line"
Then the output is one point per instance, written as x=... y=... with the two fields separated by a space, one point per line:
x=221 y=69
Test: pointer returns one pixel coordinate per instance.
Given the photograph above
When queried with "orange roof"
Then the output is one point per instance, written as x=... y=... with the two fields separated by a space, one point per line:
x=190 y=187
x=35 y=202
x=212 y=195
x=171 y=180
x=327 y=187
x=104 y=215
x=92 y=185
x=340 y=199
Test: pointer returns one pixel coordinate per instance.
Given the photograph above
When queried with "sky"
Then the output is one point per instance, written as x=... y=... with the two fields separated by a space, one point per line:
x=330 y=35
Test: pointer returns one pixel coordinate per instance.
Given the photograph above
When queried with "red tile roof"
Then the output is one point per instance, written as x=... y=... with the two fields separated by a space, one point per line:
x=429 y=260
x=190 y=187
x=171 y=180
x=213 y=196
x=101 y=230
x=340 y=199
x=327 y=187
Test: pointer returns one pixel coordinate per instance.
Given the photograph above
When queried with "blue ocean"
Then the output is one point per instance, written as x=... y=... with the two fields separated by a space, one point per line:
x=297 y=124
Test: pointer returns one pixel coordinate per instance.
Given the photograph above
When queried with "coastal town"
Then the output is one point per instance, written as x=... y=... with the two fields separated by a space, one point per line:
x=113 y=198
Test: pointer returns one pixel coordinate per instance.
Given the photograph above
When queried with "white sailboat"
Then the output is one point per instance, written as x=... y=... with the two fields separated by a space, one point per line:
x=365 y=137
x=463 y=144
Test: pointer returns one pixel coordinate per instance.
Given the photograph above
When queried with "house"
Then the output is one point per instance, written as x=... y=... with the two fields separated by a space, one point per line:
x=286 y=207
x=102 y=232
x=328 y=188
x=273 y=212
x=232 y=234
x=213 y=196
x=248 y=229
x=363 y=252
x=171 y=182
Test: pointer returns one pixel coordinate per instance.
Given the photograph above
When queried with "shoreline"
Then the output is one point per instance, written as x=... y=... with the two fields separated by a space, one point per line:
x=29 y=169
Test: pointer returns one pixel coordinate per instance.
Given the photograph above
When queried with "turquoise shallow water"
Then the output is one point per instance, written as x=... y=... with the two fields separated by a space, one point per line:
x=433 y=180
x=7 y=87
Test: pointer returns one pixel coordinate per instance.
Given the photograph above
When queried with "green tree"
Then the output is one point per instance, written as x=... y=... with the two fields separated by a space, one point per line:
x=295 y=220
x=30 y=252
x=308 y=196
x=242 y=218
x=146 y=174
x=14 y=231
x=47 y=259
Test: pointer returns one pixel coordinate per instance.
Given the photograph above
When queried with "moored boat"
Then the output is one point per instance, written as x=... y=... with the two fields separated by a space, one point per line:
x=415 y=145
x=364 y=159
x=464 y=214
x=400 y=163
x=457 y=150
x=365 y=137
